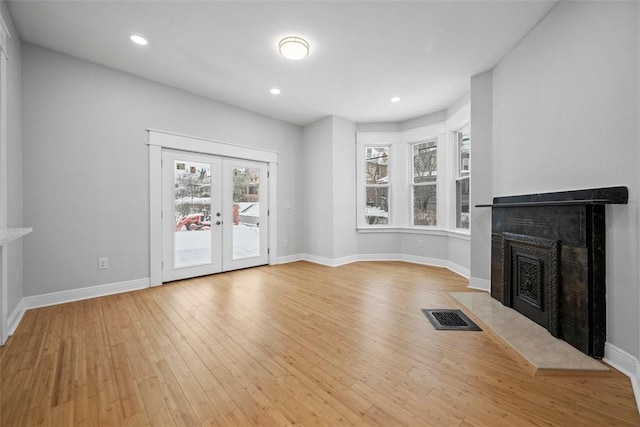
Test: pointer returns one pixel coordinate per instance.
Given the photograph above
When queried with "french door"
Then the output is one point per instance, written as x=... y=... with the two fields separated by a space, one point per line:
x=214 y=214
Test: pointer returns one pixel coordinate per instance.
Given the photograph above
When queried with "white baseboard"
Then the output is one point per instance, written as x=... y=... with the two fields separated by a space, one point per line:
x=289 y=258
x=336 y=262
x=480 y=284
x=62 y=297
x=626 y=363
x=379 y=257
x=435 y=262
x=330 y=262
x=16 y=317
x=318 y=260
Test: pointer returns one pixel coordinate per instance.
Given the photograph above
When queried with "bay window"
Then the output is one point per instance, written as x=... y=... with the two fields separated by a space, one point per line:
x=416 y=180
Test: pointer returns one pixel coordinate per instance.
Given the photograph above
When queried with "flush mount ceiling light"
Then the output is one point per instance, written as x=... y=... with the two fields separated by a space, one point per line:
x=138 y=40
x=293 y=48
x=275 y=91
x=395 y=99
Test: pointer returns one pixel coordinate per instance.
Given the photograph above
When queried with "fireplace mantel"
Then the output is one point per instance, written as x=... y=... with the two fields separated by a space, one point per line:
x=594 y=196
x=548 y=260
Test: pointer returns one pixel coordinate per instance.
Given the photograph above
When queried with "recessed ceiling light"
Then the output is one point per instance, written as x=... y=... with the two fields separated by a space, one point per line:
x=275 y=91
x=293 y=47
x=395 y=99
x=139 y=40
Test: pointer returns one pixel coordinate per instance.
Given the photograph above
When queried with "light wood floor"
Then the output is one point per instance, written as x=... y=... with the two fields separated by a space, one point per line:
x=295 y=344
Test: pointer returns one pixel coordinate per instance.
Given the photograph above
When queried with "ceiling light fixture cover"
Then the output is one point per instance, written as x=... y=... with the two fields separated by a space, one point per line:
x=275 y=91
x=294 y=48
x=138 y=40
x=395 y=99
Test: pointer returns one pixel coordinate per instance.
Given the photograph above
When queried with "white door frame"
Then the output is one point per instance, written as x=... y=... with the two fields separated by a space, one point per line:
x=161 y=139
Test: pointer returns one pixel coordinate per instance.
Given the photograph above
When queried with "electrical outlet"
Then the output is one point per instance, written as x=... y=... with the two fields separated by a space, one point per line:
x=419 y=243
x=285 y=242
x=103 y=263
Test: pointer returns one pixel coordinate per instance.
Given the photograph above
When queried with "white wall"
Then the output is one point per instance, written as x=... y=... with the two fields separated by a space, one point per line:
x=565 y=110
x=317 y=184
x=344 y=190
x=481 y=185
x=638 y=181
x=86 y=189
x=14 y=161
x=328 y=161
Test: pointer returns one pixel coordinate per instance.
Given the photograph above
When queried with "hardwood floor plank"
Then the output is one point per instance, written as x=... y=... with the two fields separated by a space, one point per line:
x=244 y=400
x=293 y=344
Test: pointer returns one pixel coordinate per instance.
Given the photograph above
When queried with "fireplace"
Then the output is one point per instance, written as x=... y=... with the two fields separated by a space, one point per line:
x=548 y=261
x=530 y=266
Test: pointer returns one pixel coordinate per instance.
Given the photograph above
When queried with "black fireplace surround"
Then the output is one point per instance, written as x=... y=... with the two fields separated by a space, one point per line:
x=548 y=261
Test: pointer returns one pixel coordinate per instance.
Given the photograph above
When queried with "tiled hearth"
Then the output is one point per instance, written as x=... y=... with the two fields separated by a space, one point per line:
x=545 y=353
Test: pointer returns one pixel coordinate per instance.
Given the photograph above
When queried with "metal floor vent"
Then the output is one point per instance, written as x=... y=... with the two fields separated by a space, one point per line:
x=450 y=319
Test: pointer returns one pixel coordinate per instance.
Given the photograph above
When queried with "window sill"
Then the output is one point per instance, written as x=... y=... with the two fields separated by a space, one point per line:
x=457 y=234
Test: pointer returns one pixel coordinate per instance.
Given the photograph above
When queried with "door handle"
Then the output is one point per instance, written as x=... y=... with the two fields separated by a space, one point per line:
x=218 y=222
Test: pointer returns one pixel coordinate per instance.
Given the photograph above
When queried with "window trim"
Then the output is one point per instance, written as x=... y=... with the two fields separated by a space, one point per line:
x=413 y=185
x=399 y=143
x=361 y=207
x=401 y=176
x=457 y=177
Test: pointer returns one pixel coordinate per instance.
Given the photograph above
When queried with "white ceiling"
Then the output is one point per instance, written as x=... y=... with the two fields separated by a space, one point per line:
x=362 y=53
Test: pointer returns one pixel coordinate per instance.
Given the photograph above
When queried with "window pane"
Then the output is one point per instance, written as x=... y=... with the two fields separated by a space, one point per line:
x=377 y=205
x=425 y=162
x=464 y=160
x=377 y=165
x=425 y=205
x=192 y=204
x=462 y=203
x=246 y=212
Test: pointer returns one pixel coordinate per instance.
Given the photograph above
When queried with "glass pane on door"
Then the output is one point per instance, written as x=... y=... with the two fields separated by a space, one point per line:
x=192 y=210
x=246 y=212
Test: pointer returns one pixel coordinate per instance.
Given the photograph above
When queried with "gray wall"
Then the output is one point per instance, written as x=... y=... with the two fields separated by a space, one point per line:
x=14 y=162
x=344 y=189
x=481 y=186
x=317 y=182
x=86 y=172
x=328 y=161
x=565 y=110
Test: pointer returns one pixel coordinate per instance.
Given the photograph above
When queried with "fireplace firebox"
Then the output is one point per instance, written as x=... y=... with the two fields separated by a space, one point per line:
x=548 y=261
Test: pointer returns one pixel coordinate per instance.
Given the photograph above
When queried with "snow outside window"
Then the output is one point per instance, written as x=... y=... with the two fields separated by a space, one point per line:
x=424 y=184
x=376 y=171
x=463 y=150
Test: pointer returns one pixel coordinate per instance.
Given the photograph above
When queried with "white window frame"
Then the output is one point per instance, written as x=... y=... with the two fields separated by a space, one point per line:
x=400 y=176
x=386 y=185
x=361 y=206
x=413 y=185
x=457 y=176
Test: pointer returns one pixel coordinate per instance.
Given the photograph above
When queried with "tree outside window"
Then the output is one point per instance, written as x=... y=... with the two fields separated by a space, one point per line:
x=463 y=140
x=377 y=185
x=425 y=176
